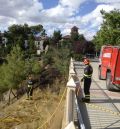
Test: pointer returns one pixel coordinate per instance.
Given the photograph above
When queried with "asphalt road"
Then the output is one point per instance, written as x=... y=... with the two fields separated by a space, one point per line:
x=102 y=83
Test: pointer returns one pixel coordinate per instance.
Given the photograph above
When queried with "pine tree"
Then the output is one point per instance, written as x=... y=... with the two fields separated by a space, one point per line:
x=14 y=71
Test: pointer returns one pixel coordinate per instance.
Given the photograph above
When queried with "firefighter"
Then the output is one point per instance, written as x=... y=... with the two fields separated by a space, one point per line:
x=29 y=88
x=88 y=70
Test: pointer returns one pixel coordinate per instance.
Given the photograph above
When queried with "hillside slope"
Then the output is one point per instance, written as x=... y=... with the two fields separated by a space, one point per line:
x=32 y=114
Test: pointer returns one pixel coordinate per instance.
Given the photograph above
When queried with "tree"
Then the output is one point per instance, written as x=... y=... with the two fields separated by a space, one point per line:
x=31 y=44
x=48 y=57
x=58 y=59
x=43 y=33
x=81 y=37
x=56 y=37
x=17 y=34
x=109 y=32
x=61 y=58
x=37 y=29
x=13 y=72
x=90 y=48
x=16 y=70
x=0 y=38
x=79 y=46
x=32 y=66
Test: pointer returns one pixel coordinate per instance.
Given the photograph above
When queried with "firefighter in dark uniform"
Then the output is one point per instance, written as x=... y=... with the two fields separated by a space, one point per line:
x=88 y=70
x=29 y=88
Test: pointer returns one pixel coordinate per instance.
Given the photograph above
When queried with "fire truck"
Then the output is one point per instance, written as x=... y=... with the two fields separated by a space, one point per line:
x=109 y=66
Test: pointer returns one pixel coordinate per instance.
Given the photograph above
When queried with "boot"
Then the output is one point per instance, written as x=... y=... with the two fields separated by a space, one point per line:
x=86 y=100
x=83 y=99
x=31 y=98
x=27 y=97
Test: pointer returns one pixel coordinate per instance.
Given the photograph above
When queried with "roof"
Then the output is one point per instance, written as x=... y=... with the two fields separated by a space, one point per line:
x=40 y=38
x=74 y=27
x=66 y=37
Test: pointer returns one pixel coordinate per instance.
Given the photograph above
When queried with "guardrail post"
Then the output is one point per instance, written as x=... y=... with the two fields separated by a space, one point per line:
x=71 y=125
x=70 y=101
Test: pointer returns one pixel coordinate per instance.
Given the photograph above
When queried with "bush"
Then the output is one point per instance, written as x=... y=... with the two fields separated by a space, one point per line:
x=48 y=76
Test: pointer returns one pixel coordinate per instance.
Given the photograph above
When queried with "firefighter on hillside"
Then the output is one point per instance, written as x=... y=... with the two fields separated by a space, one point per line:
x=88 y=70
x=29 y=88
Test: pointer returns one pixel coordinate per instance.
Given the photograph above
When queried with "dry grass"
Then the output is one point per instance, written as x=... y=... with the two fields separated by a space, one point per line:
x=31 y=114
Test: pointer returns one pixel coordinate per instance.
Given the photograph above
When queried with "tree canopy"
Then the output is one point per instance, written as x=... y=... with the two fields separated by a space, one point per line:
x=18 y=34
x=56 y=37
x=109 y=32
x=16 y=69
x=13 y=71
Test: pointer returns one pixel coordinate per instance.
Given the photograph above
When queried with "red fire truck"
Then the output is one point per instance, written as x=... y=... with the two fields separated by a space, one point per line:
x=109 y=66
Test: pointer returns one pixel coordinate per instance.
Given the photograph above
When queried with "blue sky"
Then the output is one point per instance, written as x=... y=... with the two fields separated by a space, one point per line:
x=56 y=14
x=49 y=3
x=87 y=7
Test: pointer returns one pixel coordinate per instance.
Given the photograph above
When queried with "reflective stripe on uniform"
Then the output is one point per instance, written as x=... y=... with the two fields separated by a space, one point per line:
x=89 y=76
x=29 y=85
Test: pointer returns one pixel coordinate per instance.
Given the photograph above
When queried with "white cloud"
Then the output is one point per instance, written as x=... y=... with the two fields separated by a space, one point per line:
x=4 y=22
x=72 y=3
x=88 y=24
x=50 y=27
x=108 y=1
x=19 y=11
x=95 y=14
x=12 y=7
x=91 y=22
x=58 y=14
x=62 y=17
x=97 y=22
x=114 y=3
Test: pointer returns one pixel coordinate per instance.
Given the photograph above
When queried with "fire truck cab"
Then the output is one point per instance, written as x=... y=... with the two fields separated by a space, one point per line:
x=109 y=66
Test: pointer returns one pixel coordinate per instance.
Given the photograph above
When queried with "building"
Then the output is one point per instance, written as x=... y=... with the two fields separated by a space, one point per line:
x=3 y=40
x=39 y=43
x=74 y=29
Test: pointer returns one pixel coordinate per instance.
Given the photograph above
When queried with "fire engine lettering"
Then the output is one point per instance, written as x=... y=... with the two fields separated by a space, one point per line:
x=117 y=78
x=108 y=55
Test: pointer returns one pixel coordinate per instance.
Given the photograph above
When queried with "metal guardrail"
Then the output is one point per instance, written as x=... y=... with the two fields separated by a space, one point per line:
x=81 y=124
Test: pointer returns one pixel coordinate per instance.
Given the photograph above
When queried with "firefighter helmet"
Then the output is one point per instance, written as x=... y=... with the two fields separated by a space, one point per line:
x=86 y=61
